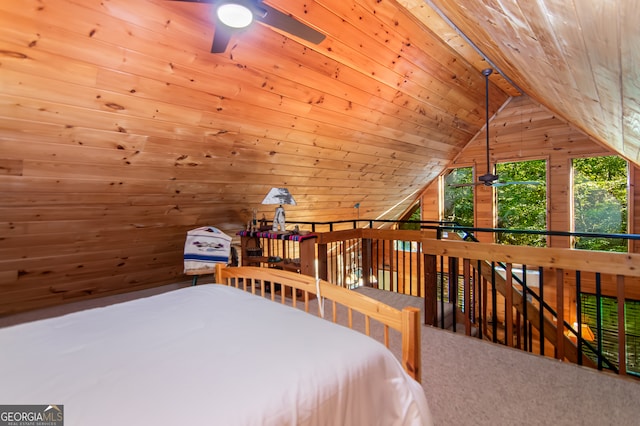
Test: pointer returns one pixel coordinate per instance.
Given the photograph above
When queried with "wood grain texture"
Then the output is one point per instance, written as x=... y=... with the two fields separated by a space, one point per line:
x=525 y=130
x=120 y=131
x=406 y=321
x=577 y=59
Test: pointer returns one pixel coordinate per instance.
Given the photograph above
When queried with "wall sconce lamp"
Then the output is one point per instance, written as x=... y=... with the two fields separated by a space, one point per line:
x=279 y=196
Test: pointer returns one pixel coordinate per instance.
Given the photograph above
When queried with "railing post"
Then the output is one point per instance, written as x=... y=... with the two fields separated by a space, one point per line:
x=622 y=350
x=508 y=311
x=411 y=360
x=430 y=289
x=322 y=262
x=367 y=261
x=306 y=252
x=541 y=311
x=560 y=314
x=494 y=304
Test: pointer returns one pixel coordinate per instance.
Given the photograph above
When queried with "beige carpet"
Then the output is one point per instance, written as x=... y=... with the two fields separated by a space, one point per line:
x=472 y=382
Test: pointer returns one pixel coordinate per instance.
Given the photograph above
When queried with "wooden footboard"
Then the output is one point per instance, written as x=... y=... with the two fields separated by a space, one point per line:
x=292 y=288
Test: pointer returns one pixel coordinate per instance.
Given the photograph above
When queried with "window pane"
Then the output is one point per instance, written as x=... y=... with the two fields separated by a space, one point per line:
x=522 y=206
x=609 y=306
x=600 y=201
x=458 y=200
x=632 y=331
x=415 y=215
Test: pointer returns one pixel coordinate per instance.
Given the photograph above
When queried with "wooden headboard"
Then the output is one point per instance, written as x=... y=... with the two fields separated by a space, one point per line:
x=296 y=288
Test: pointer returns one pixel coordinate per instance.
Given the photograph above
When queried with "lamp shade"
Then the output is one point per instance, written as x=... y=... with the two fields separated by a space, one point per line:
x=279 y=196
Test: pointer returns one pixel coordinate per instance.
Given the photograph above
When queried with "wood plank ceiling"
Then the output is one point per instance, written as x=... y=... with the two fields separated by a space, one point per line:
x=116 y=121
x=577 y=58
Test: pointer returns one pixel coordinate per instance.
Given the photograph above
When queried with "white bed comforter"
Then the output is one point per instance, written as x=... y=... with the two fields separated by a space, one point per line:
x=206 y=355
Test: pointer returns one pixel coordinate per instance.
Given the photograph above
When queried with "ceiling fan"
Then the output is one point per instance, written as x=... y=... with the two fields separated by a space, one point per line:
x=233 y=15
x=489 y=179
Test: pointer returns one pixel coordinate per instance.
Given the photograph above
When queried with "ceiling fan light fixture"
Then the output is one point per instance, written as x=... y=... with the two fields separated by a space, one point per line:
x=488 y=179
x=234 y=15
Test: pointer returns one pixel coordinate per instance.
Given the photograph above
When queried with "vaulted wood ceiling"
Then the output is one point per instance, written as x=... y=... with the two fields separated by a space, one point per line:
x=118 y=127
x=577 y=58
x=370 y=115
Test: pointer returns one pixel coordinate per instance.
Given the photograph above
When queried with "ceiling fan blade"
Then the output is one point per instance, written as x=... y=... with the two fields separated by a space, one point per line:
x=267 y=15
x=221 y=37
x=461 y=185
x=518 y=182
x=277 y=19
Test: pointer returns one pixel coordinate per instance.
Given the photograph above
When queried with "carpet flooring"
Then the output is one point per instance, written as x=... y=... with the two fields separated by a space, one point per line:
x=469 y=381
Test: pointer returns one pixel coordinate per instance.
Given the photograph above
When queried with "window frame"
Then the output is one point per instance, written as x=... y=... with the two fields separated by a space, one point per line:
x=629 y=206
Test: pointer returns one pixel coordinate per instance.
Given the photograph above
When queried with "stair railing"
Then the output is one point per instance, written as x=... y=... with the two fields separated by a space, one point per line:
x=417 y=263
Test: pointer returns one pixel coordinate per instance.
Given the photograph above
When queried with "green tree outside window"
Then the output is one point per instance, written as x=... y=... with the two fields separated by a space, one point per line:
x=600 y=201
x=522 y=206
x=458 y=200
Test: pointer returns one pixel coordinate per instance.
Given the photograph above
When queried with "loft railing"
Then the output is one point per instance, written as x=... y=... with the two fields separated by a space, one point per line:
x=524 y=297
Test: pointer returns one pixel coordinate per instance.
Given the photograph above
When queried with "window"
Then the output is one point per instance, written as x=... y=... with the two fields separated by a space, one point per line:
x=414 y=214
x=458 y=200
x=600 y=201
x=609 y=325
x=522 y=202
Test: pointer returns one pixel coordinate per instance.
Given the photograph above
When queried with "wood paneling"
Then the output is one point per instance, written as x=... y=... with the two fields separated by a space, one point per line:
x=120 y=131
x=578 y=59
x=525 y=130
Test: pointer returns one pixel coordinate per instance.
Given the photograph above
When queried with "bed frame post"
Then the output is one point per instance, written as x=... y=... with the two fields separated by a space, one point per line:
x=218 y=274
x=411 y=342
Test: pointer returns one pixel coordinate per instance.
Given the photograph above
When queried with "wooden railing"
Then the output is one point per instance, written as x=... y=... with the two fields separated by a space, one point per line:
x=524 y=297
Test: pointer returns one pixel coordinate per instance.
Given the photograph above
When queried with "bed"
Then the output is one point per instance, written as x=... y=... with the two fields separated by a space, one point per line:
x=216 y=354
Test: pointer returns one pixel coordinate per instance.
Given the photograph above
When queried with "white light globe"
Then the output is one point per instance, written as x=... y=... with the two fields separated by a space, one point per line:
x=234 y=15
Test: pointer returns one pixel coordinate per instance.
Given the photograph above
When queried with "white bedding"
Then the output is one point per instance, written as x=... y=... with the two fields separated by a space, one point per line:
x=206 y=355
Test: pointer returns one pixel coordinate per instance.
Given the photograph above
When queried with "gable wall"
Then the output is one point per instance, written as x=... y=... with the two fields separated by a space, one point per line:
x=525 y=130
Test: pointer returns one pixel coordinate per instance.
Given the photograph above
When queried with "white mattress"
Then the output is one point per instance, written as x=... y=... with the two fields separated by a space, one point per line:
x=206 y=355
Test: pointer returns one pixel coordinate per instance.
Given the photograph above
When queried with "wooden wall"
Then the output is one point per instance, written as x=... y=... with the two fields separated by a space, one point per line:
x=525 y=130
x=120 y=131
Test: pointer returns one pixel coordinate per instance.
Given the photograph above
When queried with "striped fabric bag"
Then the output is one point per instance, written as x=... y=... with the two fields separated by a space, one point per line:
x=204 y=247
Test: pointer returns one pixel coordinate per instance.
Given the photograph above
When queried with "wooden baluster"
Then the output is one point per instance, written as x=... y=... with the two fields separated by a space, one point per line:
x=560 y=314
x=622 y=349
x=466 y=265
x=508 y=310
